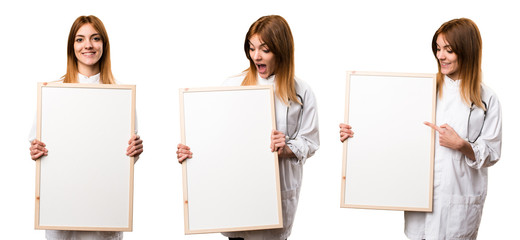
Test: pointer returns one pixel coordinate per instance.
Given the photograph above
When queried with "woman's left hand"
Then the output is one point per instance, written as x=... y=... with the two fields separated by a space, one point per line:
x=135 y=146
x=447 y=136
x=277 y=141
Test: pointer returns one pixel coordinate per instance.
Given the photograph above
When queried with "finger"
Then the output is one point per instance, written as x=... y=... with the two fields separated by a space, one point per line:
x=182 y=146
x=135 y=153
x=134 y=149
x=429 y=124
x=135 y=143
x=38 y=144
x=36 y=156
x=446 y=126
x=276 y=132
x=279 y=145
x=344 y=126
x=184 y=151
x=38 y=149
x=343 y=137
x=181 y=158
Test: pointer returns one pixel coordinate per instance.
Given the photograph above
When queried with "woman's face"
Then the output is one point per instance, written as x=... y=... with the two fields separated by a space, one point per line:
x=263 y=58
x=88 y=47
x=447 y=58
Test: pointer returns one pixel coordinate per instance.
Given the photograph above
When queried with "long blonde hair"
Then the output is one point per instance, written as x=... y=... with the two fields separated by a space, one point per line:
x=464 y=38
x=71 y=76
x=275 y=32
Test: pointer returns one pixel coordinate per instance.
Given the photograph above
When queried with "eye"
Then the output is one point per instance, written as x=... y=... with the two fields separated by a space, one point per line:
x=266 y=50
x=79 y=40
x=96 y=39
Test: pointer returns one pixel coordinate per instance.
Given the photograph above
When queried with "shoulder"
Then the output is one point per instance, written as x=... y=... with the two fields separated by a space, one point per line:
x=302 y=87
x=489 y=96
x=235 y=80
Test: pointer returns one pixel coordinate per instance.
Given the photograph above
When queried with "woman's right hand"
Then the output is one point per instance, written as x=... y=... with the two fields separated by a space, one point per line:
x=37 y=149
x=345 y=132
x=183 y=152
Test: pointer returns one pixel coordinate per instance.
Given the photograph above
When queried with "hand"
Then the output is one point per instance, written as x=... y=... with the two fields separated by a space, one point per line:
x=135 y=146
x=345 y=132
x=450 y=139
x=37 y=149
x=183 y=152
x=447 y=136
x=277 y=141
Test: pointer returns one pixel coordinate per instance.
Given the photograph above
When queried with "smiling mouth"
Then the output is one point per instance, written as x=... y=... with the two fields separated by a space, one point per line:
x=88 y=53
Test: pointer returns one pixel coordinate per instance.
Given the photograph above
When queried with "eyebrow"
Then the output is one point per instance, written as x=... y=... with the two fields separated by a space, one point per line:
x=95 y=34
x=261 y=45
x=445 y=46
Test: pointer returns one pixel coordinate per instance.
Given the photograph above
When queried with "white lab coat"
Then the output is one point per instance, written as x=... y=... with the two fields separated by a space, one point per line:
x=303 y=146
x=460 y=184
x=80 y=235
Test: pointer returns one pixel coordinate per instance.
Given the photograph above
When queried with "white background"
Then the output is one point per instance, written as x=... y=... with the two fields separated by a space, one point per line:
x=162 y=46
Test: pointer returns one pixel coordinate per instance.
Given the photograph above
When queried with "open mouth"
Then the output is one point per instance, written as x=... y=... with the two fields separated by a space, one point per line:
x=262 y=68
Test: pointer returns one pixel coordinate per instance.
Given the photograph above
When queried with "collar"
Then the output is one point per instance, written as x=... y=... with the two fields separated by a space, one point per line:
x=450 y=82
x=265 y=81
x=92 y=79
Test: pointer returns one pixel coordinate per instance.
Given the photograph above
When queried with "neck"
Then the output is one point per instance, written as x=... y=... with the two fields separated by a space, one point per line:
x=88 y=71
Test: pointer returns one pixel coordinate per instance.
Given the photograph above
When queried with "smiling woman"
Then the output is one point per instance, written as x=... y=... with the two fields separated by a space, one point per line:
x=88 y=51
x=88 y=48
x=88 y=61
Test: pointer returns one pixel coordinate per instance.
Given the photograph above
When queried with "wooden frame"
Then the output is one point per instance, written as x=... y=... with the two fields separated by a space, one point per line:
x=86 y=181
x=389 y=162
x=232 y=182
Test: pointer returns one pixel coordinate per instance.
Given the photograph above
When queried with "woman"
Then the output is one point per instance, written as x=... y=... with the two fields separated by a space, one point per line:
x=468 y=139
x=269 y=47
x=88 y=61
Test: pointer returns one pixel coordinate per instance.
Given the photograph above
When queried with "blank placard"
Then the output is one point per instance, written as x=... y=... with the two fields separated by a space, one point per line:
x=86 y=181
x=232 y=181
x=388 y=164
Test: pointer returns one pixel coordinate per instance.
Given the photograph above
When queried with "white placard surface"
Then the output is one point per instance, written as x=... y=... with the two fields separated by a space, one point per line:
x=86 y=181
x=388 y=164
x=232 y=181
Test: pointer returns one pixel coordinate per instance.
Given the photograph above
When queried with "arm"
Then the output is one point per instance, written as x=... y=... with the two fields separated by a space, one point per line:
x=485 y=152
x=307 y=141
x=487 y=147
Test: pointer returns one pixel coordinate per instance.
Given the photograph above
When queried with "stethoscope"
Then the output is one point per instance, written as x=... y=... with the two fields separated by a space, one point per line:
x=299 y=120
x=483 y=120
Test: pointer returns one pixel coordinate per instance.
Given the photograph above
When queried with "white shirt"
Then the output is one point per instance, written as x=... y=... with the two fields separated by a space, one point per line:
x=79 y=235
x=304 y=145
x=460 y=184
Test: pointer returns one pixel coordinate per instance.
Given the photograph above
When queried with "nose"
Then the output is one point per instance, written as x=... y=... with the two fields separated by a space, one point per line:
x=88 y=44
x=256 y=55
x=441 y=55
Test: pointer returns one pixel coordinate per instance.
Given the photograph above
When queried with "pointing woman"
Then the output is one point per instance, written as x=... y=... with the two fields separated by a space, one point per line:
x=468 y=139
